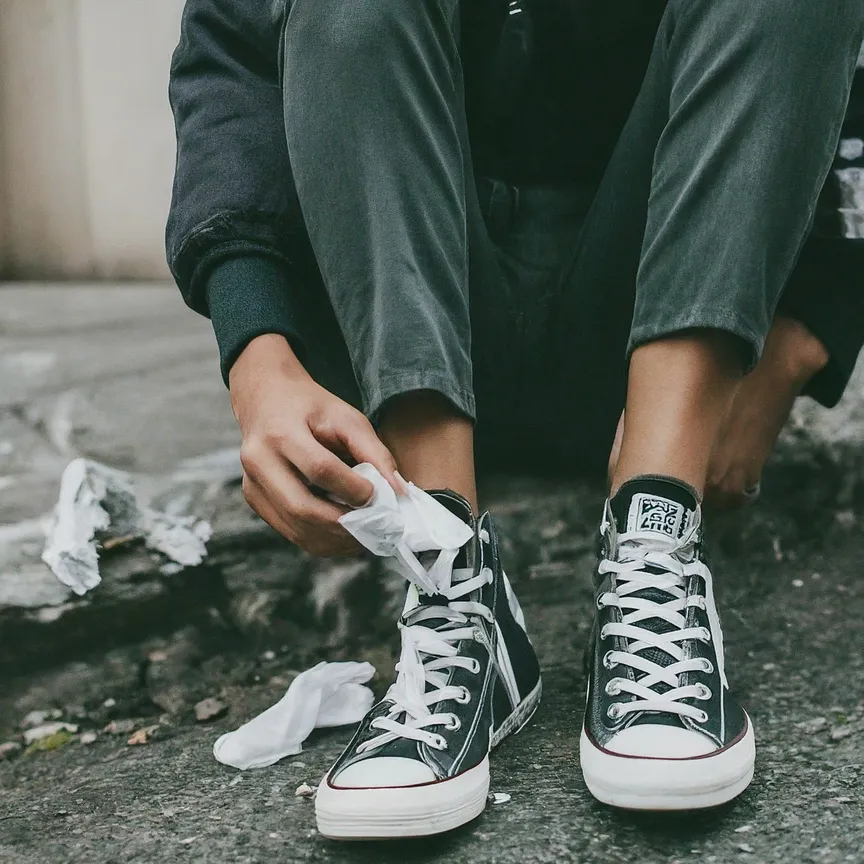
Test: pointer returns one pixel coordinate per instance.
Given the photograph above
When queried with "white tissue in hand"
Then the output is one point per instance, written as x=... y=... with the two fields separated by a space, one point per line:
x=430 y=525
x=329 y=694
x=403 y=525
x=379 y=525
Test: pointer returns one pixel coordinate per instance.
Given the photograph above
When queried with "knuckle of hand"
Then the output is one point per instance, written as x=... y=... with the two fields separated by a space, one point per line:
x=358 y=421
x=255 y=505
x=325 y=424
x=298 y=513
x=302 y=512
x=275 y=440
x=252 y=456
x=356 y=425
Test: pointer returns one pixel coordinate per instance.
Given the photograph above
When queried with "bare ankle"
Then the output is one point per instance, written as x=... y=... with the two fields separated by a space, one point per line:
x=679 y=392
x=432 y=442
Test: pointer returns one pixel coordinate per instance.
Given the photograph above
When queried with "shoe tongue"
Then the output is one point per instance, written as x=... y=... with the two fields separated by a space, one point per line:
x=460 y=508
x=654 y=505
x=662 y=507
x=455 y=503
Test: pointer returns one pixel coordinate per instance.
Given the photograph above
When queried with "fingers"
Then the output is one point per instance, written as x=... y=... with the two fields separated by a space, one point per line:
x=294 y=433
x=731 y=491
x=315 y=540
x=278 y=494
x=256 y=498
x=355 y=435
x=324 y=469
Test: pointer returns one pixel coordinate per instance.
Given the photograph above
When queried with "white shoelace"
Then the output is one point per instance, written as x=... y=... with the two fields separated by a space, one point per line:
x=638 y=551
x=428 y=655
x=400 y=529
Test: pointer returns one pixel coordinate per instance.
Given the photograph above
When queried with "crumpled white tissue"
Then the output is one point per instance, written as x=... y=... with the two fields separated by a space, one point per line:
x=329 y=694
x=399 y=526
x=98 y=502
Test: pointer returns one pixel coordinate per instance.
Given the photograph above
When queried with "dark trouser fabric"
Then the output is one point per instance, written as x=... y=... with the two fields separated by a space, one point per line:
x=521 y=305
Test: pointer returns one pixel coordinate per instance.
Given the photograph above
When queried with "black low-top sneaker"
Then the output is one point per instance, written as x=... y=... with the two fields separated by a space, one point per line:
x=467 y=678
x=661 y=730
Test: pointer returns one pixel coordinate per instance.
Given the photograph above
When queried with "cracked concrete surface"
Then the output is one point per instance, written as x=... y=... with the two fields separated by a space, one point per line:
x=134 y=383
x=794 y=656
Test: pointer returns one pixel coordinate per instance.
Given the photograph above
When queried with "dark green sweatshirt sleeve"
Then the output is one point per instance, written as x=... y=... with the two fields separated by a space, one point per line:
x=249 y=296
x=235 y=222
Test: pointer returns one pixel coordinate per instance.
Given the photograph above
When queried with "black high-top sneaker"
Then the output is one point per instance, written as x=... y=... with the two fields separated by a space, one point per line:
x=467 y=678
x=661 y=730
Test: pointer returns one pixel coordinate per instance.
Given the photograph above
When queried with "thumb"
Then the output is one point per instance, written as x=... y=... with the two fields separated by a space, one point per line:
x=372 y=450
x=359 y=439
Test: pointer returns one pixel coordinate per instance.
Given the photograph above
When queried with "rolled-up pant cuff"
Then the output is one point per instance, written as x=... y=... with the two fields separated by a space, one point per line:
x=726 y=321
x=398 y=384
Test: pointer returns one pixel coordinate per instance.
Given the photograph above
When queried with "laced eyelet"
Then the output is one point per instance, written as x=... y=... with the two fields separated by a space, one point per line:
x=613 y=687
x=707 y=666
x=704 y=692
x=604 y=632
x=599 y=602
x=704 y=634
x=464 y=697
x=454 y=724
x=703 y=717
x=475 y=666
x=440 y=742
x=607 y=661
x=613 y=711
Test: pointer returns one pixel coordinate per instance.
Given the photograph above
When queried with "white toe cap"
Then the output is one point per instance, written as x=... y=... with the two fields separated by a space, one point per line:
x=660 y=742
x=384 y=772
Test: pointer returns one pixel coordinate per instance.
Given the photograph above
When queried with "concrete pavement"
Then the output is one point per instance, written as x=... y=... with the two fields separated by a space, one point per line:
x=126 y=376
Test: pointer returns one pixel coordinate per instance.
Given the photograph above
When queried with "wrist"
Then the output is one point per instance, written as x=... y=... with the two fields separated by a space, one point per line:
x=265 y=355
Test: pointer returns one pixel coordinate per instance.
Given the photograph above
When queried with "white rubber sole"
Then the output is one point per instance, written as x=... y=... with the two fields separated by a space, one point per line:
x=411 y=811
x=668 y=784
x=414 y=811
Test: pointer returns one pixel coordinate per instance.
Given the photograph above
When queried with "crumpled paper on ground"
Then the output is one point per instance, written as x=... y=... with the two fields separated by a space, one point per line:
x=329 y=694
x=97 y=502
x=402 y=526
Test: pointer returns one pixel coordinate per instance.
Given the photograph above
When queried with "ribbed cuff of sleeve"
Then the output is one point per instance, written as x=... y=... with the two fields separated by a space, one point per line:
x=248 y=296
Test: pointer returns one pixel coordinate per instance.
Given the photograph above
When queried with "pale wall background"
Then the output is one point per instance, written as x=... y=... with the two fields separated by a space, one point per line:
x=86 y=137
